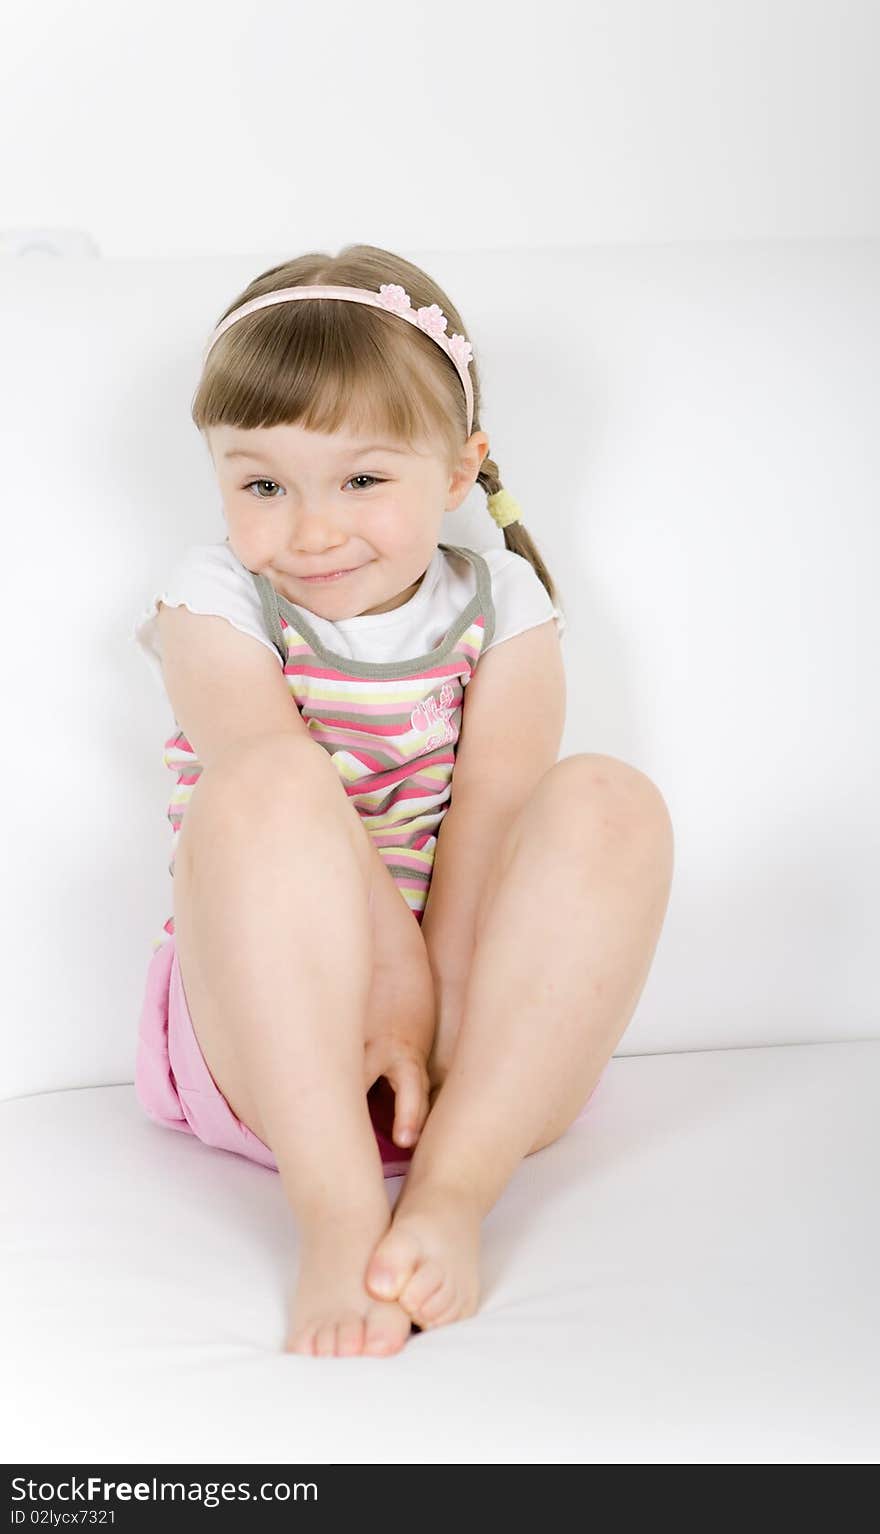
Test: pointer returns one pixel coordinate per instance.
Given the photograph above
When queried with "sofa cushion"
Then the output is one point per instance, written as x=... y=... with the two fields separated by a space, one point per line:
x=690 y=1274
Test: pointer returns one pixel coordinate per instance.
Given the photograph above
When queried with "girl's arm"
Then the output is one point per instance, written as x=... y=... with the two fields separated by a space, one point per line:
x=400 y=965
x=399 y=1029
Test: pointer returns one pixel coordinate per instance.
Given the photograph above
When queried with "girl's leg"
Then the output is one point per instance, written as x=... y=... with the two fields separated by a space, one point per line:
x=567 y=940
x=272 y=926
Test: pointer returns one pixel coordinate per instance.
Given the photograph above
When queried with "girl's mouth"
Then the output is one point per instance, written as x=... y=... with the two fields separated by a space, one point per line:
x=335 y=575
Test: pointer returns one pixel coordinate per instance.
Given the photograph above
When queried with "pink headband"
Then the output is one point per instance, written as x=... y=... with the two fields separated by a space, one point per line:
x=391 y=297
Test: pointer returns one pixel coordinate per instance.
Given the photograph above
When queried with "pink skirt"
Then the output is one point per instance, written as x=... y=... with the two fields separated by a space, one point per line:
x=174 y=1086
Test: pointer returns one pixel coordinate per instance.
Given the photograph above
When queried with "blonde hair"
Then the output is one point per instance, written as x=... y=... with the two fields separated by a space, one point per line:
x=322 y=365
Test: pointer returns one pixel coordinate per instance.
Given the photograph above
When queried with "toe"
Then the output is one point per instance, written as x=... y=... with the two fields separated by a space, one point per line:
x=325 y=1340
x=461 y=1306
x=302 y=1342
x=387 y=1328
x=350 y=1336
x=428 y=1277
x=392 y=1264
x=439 y=1304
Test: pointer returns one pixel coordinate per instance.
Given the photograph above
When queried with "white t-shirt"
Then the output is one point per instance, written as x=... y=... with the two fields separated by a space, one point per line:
x=210 y=578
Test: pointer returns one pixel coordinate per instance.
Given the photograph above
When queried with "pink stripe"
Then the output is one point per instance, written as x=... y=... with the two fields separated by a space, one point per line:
x=401 y=838
x=360 y=755
x=401 y=726
x=389 y=776
x=401 y=861
x=452 y=668
x=425 y=792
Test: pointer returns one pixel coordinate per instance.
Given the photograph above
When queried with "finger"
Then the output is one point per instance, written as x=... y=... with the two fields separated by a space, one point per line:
x=424 y=1101
x=410 y=1102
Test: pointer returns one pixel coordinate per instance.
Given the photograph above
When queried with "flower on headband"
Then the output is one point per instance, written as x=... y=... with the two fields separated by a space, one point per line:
x=461 y=350
x=432 y=319
x=392 y=296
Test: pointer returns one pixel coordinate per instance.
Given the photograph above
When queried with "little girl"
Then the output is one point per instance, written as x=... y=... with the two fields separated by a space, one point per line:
x=406 y=938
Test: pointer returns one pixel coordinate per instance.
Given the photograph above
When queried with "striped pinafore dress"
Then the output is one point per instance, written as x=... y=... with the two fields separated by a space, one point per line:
x=391 y=730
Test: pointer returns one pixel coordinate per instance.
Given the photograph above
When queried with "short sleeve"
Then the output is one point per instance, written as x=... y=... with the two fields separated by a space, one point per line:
x=209 y=579
x=520 y=596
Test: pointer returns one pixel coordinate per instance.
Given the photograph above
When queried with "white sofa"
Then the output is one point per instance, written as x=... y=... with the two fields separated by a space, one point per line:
x=691 y=1273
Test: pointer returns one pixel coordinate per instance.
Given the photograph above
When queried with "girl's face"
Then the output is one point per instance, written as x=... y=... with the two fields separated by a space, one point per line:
x=301 y=503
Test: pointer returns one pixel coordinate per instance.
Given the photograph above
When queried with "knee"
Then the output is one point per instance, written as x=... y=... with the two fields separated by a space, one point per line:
x=254 y=779
x=603 y=790
x=264 y=765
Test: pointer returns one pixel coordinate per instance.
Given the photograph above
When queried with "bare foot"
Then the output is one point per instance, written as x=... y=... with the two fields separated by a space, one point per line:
x=429 y=1259
x=332 y=1314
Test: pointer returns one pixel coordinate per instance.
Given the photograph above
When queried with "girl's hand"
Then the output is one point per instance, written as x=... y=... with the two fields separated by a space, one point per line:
x=399 y=1023
x=399 y=1026
x=403 y=1065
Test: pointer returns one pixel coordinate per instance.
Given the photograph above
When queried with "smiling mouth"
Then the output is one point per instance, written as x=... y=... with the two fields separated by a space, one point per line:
x=329 y=575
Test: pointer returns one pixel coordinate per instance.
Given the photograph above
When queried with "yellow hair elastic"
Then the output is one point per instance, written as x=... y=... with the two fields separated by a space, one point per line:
x=503 y=508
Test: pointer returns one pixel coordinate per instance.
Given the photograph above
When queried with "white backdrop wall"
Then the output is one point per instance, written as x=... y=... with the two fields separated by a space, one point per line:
x=696 y=450
x=662 y=223
x=191 y=127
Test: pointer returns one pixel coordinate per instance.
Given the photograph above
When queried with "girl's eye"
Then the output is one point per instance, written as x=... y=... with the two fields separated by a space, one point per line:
x=371 y=477
x=261 y=482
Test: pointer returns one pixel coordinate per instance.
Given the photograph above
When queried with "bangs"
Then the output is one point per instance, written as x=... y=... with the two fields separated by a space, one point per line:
x=330 y=366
